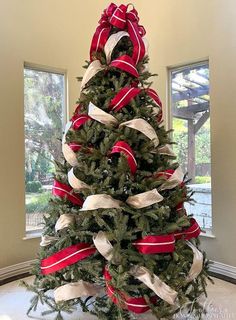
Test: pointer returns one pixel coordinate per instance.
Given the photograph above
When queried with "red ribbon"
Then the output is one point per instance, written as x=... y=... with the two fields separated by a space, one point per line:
x=166 y=243
x=126 y=94
x=152 y=93
x=123 y=97
x=136 y=305
x=123 y=20
x=123 y=147
x=66 y=257
x=165 y=174
x=179 y=207
x=75 y=146
x=125 y=63
x=156 y=244
x=64 y=191
x=78 y=120
x=191 y=232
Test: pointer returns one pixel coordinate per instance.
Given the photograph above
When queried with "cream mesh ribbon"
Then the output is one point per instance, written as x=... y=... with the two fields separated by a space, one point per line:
x=144 y=199
x=197 y=264
x=174 y=180
x=144 y=127
x=100 y=115
x=100 y=201
x=74 y=182
x=68 y=153
x=75 y=290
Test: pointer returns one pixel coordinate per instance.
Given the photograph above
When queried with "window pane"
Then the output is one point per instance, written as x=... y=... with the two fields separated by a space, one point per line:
x=44 y=118
x=190 y=103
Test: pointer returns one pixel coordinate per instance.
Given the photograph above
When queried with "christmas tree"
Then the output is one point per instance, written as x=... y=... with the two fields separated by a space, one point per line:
x=117 y=240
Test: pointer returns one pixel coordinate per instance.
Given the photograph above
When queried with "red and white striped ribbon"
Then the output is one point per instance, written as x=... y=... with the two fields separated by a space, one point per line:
x=123 y=97
x=64 y=191
x=153 y=94
x=190 y=232
x=135 y=304
x=78 y=120
x=66 y=257
x=166 y=243
x=156 y=244
x=126 y=94
x=123 y=20
x=123 y=147
x=125 y=63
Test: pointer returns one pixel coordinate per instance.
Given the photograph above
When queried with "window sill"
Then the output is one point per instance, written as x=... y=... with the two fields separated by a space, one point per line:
x=207 y=234
x=32 y=235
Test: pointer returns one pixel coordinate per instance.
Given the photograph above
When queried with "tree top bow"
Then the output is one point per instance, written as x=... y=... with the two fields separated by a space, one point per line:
x=121 y=18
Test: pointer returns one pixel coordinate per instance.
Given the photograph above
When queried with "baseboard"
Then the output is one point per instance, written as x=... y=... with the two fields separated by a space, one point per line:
x=15 y=270
x=222 y=269
x=216 y=268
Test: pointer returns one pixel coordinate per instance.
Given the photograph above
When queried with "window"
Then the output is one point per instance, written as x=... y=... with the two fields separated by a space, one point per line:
x=44 y=112
x=190 y=119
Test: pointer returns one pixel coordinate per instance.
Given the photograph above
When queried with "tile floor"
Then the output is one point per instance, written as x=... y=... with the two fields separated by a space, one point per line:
x=221 y=303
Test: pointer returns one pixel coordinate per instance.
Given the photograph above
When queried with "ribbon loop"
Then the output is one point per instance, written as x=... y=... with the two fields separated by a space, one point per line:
x=144 y=199
x=64 y=191
x=125 y=63
x=100 y=201
x=123 y=97
x=100 y=115
x=123 y=147
x=118 y=17
x=76 y=290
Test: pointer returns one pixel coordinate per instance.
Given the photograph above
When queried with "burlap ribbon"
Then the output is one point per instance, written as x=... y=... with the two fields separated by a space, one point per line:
x=153 y=282
x=197 y=264
x=76 y=290
x=103 y=245
x=166 y=150
x=144 y=199
x=112 y=42
x=100 y=115
x=46 y=240
x=100 y=201
x=174 y=180
x=94 y=67
x=144 y=127
x=68 y=153
x=64 y=221
x=74 y=182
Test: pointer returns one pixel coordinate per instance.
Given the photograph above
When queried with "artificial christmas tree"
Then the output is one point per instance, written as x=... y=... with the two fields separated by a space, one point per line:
x=117 y=239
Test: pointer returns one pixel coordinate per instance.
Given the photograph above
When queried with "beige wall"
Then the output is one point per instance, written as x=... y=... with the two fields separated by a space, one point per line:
x=57 y=33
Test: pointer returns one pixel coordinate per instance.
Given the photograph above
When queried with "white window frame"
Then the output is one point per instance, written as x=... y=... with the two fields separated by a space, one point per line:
x=29 y=234
x=169 y=118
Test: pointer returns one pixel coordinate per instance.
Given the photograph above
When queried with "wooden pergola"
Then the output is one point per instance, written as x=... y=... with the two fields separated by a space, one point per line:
x=191 y=102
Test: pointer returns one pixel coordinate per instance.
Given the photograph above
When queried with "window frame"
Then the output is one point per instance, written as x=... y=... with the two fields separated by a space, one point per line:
x=36 y=233
x=169 y=118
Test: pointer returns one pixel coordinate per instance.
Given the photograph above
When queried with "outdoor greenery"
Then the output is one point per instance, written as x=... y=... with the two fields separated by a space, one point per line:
x=43 y=102
x=203 y=148
x=37 y=202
